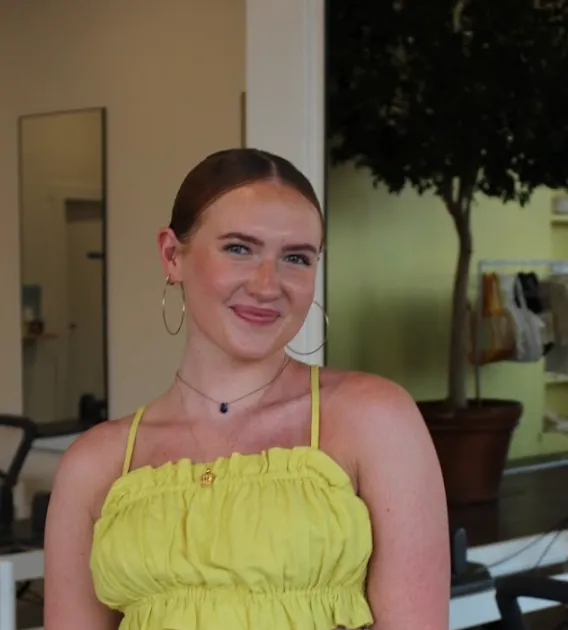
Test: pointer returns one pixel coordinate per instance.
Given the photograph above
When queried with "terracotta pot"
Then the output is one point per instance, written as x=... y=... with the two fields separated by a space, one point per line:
x=472 y=446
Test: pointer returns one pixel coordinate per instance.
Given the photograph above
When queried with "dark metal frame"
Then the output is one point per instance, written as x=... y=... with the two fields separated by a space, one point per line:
x=9 y=478
x=509 y=589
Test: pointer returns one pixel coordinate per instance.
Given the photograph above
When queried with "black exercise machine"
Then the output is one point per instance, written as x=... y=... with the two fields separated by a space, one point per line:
x=9 y=477
x=509 y=589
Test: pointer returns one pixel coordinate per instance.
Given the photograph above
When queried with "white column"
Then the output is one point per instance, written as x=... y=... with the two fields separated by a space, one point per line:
x=285 y=79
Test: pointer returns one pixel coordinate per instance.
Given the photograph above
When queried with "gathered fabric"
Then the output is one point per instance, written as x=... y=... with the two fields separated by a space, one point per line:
x=275 y=540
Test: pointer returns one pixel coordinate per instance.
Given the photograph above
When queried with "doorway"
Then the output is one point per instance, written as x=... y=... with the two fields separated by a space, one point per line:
x=85 y=303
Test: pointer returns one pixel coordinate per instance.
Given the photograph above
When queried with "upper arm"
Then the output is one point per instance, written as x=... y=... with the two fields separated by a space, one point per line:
x=70 y=600
x=401 y=482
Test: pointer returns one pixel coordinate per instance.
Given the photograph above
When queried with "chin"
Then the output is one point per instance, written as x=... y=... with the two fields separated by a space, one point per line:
x=254 y=347
x=246 y=342
x=252 y=352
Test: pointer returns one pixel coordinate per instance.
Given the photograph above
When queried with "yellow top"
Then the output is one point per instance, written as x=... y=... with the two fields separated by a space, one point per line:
x=277 y=540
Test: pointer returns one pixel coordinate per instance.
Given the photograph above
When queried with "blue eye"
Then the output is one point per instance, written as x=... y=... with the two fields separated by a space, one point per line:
x=299 y=259
x=236 y=248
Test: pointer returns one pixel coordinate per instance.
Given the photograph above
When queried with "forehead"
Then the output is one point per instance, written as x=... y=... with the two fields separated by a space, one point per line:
x=263 y=207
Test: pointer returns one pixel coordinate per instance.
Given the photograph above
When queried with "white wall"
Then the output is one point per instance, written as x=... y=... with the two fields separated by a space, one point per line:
x=171 y=80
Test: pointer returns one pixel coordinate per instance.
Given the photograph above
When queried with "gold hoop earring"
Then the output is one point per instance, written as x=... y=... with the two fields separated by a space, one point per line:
x=322 y=344
x=172 y=332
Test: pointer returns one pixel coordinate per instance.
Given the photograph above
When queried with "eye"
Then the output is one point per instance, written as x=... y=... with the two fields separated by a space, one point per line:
x=299 y=259
x=236 y=248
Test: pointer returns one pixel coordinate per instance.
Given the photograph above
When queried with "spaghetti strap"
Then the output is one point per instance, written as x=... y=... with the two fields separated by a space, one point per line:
x=131 y=440
x=315 y=384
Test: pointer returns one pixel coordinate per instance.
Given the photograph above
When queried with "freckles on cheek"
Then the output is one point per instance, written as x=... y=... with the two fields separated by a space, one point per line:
x=302 y=289
x=209 y=275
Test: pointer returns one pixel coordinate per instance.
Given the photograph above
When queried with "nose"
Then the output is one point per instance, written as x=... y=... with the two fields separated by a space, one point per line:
x=264 y=284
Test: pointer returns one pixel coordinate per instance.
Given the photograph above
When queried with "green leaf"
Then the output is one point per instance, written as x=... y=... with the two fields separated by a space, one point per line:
x=427 y=93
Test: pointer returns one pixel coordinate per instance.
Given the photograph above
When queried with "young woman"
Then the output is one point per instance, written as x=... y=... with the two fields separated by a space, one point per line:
x=257 y=493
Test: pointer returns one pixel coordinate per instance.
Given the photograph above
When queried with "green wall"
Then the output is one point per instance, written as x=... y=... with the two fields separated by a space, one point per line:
x=390 y=264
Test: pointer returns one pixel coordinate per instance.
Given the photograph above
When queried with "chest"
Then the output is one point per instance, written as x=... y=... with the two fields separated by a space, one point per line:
x=282 y=427
x=207 y=441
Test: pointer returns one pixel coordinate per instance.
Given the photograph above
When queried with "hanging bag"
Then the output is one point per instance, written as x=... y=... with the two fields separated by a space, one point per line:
x=495 y=329
x=528 y=326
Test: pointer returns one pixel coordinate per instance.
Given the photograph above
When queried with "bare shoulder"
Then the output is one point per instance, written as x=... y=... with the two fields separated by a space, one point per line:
x=85 y=472
x=373 y=399
x=373 y=414
x=93 y=462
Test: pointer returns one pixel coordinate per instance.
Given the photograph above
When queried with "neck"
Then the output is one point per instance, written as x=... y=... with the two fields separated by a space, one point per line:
x=222 y=377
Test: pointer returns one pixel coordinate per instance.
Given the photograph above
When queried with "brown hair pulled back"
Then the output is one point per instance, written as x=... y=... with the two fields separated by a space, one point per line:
x=228 y=170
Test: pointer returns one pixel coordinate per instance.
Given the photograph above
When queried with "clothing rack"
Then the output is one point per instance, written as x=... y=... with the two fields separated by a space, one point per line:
x=483 y=265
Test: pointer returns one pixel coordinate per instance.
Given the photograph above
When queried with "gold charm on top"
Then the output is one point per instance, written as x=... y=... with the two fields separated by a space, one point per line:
x=207 y=478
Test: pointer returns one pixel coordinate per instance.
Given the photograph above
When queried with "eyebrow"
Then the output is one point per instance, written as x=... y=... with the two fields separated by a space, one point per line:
x=247 y=238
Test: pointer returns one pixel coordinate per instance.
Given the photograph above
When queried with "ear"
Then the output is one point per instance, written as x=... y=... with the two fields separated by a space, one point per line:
x=170 y=251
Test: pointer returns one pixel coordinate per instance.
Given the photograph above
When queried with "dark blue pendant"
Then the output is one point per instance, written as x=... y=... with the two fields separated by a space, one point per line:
x=224 y=407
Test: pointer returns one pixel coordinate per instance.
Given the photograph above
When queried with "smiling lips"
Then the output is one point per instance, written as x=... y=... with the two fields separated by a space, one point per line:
x=256 y=315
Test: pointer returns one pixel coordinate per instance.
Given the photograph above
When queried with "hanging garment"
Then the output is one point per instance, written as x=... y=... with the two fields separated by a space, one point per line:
x=555 y=293
x=555 y=296
x=493 y=337
x=529 y=285
x=547 y=331
x=528 y=325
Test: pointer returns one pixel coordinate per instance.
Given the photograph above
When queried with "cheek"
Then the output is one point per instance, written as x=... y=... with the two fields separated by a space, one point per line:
x=301 y=289
x=208 y=276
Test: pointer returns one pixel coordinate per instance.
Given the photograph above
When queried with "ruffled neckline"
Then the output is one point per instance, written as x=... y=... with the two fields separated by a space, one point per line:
x=273 y=462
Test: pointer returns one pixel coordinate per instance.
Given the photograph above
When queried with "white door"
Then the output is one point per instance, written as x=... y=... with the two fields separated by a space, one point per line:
x=85 y=303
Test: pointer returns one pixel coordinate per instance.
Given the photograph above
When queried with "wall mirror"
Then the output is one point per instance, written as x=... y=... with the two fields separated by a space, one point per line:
x=63 y=268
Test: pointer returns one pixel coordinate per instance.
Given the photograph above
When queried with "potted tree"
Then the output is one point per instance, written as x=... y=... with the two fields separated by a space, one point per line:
x=461 y=99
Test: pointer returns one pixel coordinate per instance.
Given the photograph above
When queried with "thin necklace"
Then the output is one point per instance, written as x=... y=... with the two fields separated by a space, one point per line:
x=224 y=405
x=208 y=477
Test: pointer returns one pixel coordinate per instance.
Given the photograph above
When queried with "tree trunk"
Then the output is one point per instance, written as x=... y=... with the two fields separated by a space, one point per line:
x=460 y=333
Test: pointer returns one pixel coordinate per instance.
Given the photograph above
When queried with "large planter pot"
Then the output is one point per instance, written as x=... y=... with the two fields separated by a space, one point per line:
x=472 y=446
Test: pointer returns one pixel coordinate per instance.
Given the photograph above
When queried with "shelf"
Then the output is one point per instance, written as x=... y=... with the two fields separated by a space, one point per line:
x=42 y=337
x=559 y=219
x=555 y=379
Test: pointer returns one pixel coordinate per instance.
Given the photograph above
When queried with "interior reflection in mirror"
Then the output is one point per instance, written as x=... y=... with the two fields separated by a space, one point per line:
x=63 y=270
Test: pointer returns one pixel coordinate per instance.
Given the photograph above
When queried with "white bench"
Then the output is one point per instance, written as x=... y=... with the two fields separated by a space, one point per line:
x=7 y=596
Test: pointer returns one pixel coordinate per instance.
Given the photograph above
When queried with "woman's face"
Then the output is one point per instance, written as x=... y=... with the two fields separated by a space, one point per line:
x=249 y=269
